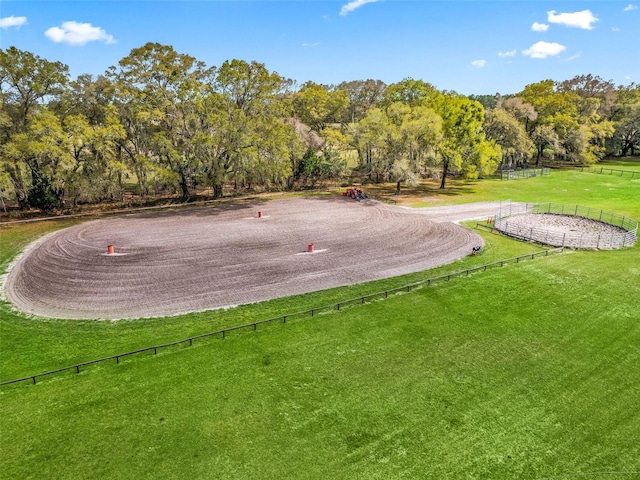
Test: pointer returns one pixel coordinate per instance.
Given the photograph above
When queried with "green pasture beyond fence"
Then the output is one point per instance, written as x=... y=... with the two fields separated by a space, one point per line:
x=283 y=318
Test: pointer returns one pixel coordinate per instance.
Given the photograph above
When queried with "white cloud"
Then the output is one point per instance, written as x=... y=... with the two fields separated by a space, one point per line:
x=8 y=22
x=616 y=29
x=539 y=27
x=314 y=44
x=353 y=4
x=478 y=63
x=630 y=7
x=544 y=50
x=74 y=33
x=510 y=53
x=583 y=19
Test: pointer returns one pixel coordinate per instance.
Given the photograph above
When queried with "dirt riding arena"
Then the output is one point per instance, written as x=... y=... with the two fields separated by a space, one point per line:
x=205 y=258
x=566 y=226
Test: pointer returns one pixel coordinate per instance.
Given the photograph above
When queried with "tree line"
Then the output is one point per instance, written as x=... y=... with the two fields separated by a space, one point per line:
x=166 y=122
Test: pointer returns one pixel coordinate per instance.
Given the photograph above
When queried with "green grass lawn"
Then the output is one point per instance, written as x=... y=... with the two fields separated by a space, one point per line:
x=528 y=371
x=571 y=187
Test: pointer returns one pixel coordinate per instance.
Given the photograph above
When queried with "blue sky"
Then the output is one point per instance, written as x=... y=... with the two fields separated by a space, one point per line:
x=472 y=46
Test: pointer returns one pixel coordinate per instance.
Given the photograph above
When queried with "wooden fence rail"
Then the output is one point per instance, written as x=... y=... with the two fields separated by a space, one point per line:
x=283 y=318
x=611 y=171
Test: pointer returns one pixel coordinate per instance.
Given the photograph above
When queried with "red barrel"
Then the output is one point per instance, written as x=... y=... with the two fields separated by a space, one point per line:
x=110 y=249
x=310 y=248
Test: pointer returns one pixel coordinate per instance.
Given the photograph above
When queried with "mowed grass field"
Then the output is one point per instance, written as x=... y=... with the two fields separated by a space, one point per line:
x=529 y=371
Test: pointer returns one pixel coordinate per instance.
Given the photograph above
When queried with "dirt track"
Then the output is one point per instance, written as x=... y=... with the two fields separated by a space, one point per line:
x=205 y=258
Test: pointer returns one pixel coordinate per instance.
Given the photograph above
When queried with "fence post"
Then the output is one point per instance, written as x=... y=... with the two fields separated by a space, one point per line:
x=77 y=368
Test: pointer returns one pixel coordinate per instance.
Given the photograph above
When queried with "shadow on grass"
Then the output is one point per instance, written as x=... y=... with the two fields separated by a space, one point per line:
x=426 y=188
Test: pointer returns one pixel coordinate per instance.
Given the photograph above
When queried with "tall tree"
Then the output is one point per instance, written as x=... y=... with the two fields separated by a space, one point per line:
x=27 y=83
x=503 y=128
x=545 y=139
x=44 y=152
x=158 y=91
x=249 y=140
x=27 y=80
x=626 y=118
x=90 y=121
x=317 y=105
x=574 y=118
x=395 y=143
x=363 y=96
x=410 y=91
x=464 y=147
x=591 y=87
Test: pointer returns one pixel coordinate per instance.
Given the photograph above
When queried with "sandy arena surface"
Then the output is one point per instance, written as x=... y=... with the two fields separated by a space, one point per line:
x=563 y=223
x=564 y=230
x=205 y=258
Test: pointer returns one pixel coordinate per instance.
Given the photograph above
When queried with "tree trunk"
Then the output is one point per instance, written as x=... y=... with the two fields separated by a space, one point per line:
x=398 y=187
x=445 y=170
x=184 y=187
x=217 y=191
